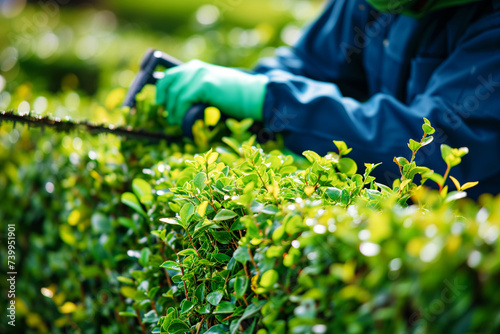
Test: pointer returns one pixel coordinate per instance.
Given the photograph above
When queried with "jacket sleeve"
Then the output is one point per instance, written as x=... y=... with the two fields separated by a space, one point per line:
x=461 y=99
x=323 y=53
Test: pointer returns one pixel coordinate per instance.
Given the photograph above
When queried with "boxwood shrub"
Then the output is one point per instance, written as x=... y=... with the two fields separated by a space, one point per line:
x=225 y=235
x=244 y=242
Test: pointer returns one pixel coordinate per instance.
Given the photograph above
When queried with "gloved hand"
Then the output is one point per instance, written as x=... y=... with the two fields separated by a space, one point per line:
x=235 y=93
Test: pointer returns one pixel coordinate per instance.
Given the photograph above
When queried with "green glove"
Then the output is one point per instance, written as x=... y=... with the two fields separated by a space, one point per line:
x=235 y=93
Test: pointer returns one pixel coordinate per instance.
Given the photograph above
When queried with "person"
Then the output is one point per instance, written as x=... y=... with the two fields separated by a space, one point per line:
x=367 y=72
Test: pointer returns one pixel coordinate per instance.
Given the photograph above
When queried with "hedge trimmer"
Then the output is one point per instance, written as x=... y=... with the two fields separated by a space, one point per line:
x=67 y=125
x=147 y=75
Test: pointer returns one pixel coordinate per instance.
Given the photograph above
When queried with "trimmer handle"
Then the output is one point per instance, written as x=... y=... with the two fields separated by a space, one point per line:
x=148 y=75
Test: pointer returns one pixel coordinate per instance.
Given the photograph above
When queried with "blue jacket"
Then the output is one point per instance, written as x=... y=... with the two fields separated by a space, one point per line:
x=369 y=78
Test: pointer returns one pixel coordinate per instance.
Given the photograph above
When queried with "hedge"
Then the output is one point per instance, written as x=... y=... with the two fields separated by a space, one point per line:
x=133 y=237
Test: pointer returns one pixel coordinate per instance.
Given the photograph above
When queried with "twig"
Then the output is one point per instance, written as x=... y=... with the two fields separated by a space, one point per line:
x=143 y=328
x=253 y=261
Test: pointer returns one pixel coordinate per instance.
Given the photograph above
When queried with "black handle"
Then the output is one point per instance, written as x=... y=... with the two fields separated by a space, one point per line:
x=147 y=75
x=196 y=112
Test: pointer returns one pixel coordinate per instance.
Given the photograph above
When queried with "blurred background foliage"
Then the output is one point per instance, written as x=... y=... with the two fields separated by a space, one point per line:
x=69 y=58
x=92 y=46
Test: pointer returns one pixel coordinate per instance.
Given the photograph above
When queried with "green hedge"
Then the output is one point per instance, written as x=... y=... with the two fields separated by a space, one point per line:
x=124 y=236
x=259 y=246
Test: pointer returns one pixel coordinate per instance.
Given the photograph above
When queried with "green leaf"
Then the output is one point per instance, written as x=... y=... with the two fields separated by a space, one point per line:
x=240 y=286
x=186 y=306
x=174 y=206
x=239 y=224
x=342 y=147
x=334 y=193
x=215 y=297
x=187 y=252
x=186 y=213
x=293 y=224
x=401 y=162
x=131 y=201
x=222 y=236
x=347 y=166
x=250 y=311
x=221 y=257
x=202 y=209
x=373 y=194
x=144 y=258
x=417 y=170
x=205 y=309
x=127 y=222
x=142 y=189
x=428 y=129
x=232 y=143
x=346 y=197
x=427 y=140
x=212 y=157
x=414 y=146
x=212 y=116
x=455 y=182
x=170 y=265
x=178 y=327
x=233 y=125
x=279 y=233
x=453 y=156
x=224 y=307
x=130 y=314
x=200 y=293
x=171 y=221
x=269 y=278
x=287 y=169
x=241 y=254
x=128 y=291
x=225 y=214
x=153 y=291
x=100 y=223
x=270 y=209
x=274 y=251
x=199 y=181
x=125 y=280
x=67 y=235
x=469 y=185
x=434 y=177
x=217 y=329
x=150 y=317
x=311 y=156
x=245 y=124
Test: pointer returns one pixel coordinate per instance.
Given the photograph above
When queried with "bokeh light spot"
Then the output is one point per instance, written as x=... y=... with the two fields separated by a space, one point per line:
x=291 y=34
x=87 y=47
x=369 y=249
x=23 y=108
x=49 y=187
x=12 y=8
x=47 y=45
x=40 y=105
x=207 y=14
x=2 y=83
x=8 y=58
x=5 y=99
